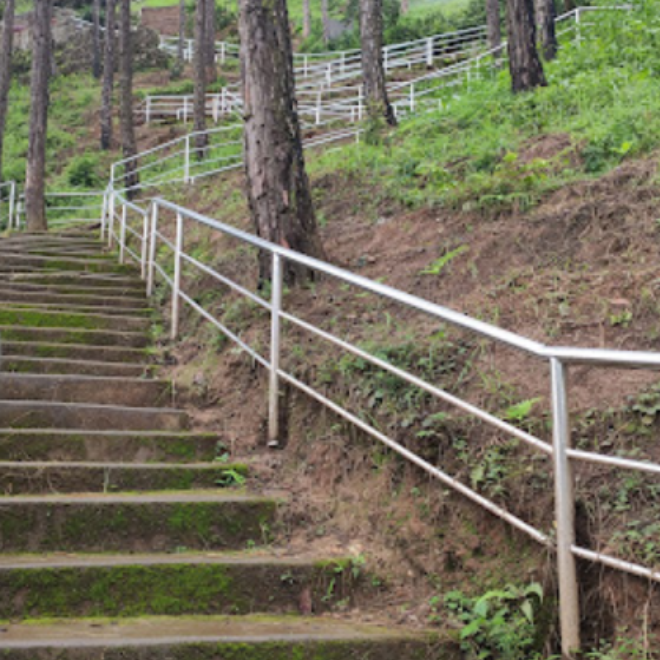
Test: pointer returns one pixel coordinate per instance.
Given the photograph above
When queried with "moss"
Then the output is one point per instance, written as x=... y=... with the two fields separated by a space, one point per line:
x=35 y=319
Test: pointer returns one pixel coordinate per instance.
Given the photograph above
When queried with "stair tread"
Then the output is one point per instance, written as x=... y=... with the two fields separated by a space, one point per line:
x=116 y=465
x=89 y=406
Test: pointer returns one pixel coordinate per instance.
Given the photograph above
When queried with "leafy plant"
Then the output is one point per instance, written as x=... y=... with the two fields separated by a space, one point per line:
x=436 y=267
x=229 y=478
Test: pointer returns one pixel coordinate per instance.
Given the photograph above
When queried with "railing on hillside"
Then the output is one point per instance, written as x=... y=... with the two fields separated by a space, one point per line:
x=66 y=209
x=7 y=205
x=144 y=235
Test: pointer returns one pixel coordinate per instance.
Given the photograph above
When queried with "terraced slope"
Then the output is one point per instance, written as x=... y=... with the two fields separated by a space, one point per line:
x=116 y=540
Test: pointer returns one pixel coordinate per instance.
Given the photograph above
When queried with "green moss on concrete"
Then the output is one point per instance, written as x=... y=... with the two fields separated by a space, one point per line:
x=36 y=319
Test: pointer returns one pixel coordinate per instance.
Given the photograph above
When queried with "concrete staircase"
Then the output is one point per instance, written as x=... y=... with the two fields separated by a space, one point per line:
x=116 y=540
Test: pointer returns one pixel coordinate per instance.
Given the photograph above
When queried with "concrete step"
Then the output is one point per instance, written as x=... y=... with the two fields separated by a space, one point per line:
x=53 y=250
x=86 y=416
x=121 y=291
x=221 y=638
x=181 y=583
x=125 y=523
x=46 y=318
x=135 y=392
x=34 y=349
x=12 y=261
x=63 y=366
x=103 y=446
x=25 y=478
x=71 y=308
x=38 y=296
x=78 y=280
x=78 y=336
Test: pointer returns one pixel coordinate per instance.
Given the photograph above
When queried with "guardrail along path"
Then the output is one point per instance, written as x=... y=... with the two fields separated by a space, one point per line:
x=115 y=533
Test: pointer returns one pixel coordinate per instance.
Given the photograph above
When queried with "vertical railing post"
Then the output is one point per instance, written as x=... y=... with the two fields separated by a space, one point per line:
x=186 y=161
x=223 y=53
x=176 y=283
x=412 y=98
x=152 y=249
x=223 y=102
x=360 y=102
x=318 y=107
x=578 y=35
x=569 y=608
x=104 y=214
x=145 y=245
x=122 y=234
x=147 y=117
x=12 y=203
x=305 y=66
x=274 y=381
x=111 y=217
x=429 y=52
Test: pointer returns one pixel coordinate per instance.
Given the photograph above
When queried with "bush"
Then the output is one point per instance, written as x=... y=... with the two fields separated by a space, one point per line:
x=82 y=172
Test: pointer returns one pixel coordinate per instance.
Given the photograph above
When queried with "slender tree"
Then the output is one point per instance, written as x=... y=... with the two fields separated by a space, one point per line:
x=108 y=74
x=129 y=148
x=325 y=21
x=524 y=62
x=494 y=27
x=96 y=39
x=546 y=13
x=35 y=204
x=199 y=101
x=277 y=184
x=371 y=35
x=307 y=19
x=6 y=49
x=182 y=33
x=209 y=42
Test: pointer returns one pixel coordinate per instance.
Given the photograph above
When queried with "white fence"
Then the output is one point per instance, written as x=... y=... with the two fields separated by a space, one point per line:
x=7 y=205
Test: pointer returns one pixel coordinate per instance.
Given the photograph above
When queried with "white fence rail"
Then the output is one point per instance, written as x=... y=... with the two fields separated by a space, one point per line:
x=65 y=209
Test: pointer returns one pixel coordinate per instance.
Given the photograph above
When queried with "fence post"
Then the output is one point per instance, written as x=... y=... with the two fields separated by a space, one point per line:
x=360 y=102
x=111 y=211
x=104 y=214
x=429 y=52
x=216 y=108
x=223 y=103
x=12 y=202
x=152 y=249
x=305 y=66
x=223 y=52
x=569 y=609
x=578 y=36
x=343 y=62
x=318 y=107
x=412 y=98
x=122 y=234
x=145 y=245
x=274 y=384
x=147 y=118
x=328 y=74
x=186 y=161
x=176 y=283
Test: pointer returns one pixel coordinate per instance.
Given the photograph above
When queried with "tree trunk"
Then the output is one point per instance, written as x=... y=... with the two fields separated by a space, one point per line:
x=371 y=35
x=325 y=20
x=307 y=19
x=494 y=27
x=35 y=204
x=5 y=69
x=126 y=95
x=199 y=106
x=545 y=18
x=277 y=184
x=96 y=39
x=209 y=38
x=524 y=63
x=182 y=33
x=108 y=75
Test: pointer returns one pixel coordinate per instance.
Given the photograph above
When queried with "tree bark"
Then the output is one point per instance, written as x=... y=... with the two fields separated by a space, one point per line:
x=199 y=101
x=96 y=39
x=494 y=27
x=277 y=185
x=108 y=75
x=35 y=204
x=325 y=21
x=126 y=96
x=545 y=18
x=6 y=49
x=307 y=19
x=371 y=35
x=524 y=62
x=182 y=33
x=209 y=38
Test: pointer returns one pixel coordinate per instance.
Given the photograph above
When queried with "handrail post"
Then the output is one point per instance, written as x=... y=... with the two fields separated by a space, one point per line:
x=147 y=118
x=578 y=36
x=176 y=283
x=569 y=608
x=186 y=162
x=412 y=98
x=122 y=234
x=111 y=223
x=318 y=107
x=429 y=52
x=152 y=249
x=145 y=245
x=12 y=202
x=274 y=385
x=104 y=214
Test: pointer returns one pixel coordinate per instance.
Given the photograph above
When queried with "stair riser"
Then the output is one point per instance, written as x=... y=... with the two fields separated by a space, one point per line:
x=78 y=280
x=51 y=319
x=64 y=367
x=40 y=298
x=10 y=262
x=116 y=392
x=42 y=416
x=123 y=292
x=132 y=527
x=73 y=352
x=45 y=446
x=75 y=336
x=169 y=590
x=69 y=308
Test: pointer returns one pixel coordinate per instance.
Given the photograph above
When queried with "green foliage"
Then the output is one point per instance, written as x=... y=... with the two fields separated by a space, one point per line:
x=438 y=265
x=82 y=172
x=499 y=624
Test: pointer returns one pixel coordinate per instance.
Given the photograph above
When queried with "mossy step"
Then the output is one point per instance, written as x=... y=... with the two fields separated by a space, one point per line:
x=10 y=261
x=182 y=583
x=74 y=388
x=21 y=477
x=85 y=416
x=99 y=300
x=154 y=522
x=220 y=638
x=59 y=251
x=63 y=366
x=78 y=336
x=45 y=318
x=102 y=280
x=74 y=352
x=120 y=446
x=127 y=291
x=71 y=308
